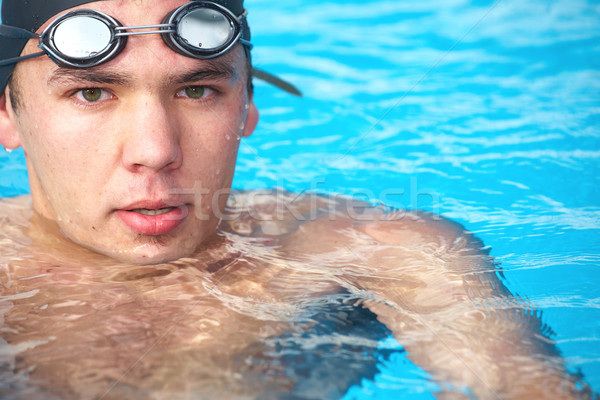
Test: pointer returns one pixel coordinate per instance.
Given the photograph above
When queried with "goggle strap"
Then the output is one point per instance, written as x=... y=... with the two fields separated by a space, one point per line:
x=242 y=15
x=275 y=81
x=15 y=60
x=13 y=32
x=247 y=44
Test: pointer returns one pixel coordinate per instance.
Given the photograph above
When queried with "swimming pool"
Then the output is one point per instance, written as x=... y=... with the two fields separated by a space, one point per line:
x=487 y=112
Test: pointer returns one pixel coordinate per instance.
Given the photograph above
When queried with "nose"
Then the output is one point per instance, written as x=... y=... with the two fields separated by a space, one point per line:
x=151 y=138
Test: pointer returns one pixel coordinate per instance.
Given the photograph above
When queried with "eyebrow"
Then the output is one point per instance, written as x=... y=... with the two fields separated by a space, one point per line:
x=214 y=69
x=90 y=75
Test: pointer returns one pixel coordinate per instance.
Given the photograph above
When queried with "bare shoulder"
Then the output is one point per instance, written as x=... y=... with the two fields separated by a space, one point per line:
x=312 y=223
x=15 y=212
x=16 y=208
x=429 y=259
x=338 y=231
x=419 y=228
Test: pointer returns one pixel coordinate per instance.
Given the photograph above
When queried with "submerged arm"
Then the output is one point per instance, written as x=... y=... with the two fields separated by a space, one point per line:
x=436 y=288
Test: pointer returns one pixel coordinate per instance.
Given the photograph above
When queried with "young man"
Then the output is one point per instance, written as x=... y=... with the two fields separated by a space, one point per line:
x=131 y=117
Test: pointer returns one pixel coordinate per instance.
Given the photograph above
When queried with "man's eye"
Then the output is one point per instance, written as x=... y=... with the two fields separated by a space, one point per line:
x=92 y=95
x=195 y=92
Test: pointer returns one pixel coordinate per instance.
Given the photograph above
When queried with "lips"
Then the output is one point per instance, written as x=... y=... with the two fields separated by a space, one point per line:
x=153 y=218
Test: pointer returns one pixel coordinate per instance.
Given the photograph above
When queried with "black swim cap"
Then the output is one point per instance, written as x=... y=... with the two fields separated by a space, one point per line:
x=32 y=14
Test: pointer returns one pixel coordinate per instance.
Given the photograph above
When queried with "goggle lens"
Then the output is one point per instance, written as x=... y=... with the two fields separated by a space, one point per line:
x=205 y=28
x=81 y=37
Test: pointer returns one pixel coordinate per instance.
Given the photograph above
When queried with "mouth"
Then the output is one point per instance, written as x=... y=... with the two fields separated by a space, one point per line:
x=153 y=219
x=149 y=212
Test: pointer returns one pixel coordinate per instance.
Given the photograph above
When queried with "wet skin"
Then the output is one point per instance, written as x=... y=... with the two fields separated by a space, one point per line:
x=128 y=163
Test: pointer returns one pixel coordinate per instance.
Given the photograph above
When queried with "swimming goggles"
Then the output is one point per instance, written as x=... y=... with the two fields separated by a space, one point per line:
x=85 y=38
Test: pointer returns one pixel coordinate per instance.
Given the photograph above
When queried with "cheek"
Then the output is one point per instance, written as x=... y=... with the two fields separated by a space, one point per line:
x=39 y=127
x=58 y=150
x=213 y=158
x=60 y=161
x=214 y=142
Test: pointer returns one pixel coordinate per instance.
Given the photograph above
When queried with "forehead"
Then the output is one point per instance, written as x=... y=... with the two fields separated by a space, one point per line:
x=130 y=12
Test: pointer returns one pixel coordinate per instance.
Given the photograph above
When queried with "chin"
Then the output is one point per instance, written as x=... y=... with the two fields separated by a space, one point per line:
x=147 y=259
x=147 y=254
x=144 y=249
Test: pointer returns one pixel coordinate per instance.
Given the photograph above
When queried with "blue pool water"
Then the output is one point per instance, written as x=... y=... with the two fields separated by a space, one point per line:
x=485 y=111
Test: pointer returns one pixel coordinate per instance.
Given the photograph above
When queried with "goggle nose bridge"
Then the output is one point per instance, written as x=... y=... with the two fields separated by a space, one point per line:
x=122 y=31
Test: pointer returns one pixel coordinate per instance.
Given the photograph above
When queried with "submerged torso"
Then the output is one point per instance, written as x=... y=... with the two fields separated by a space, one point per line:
x=246 y=317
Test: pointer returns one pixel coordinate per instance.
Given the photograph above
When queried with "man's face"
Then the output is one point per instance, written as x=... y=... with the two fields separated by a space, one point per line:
x=130 y=157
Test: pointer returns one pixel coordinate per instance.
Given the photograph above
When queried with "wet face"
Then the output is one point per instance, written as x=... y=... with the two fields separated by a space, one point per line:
x=133 y=158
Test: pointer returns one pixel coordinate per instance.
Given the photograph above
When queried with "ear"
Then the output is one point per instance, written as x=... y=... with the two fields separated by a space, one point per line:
x=251 y=119
x=9 y=133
